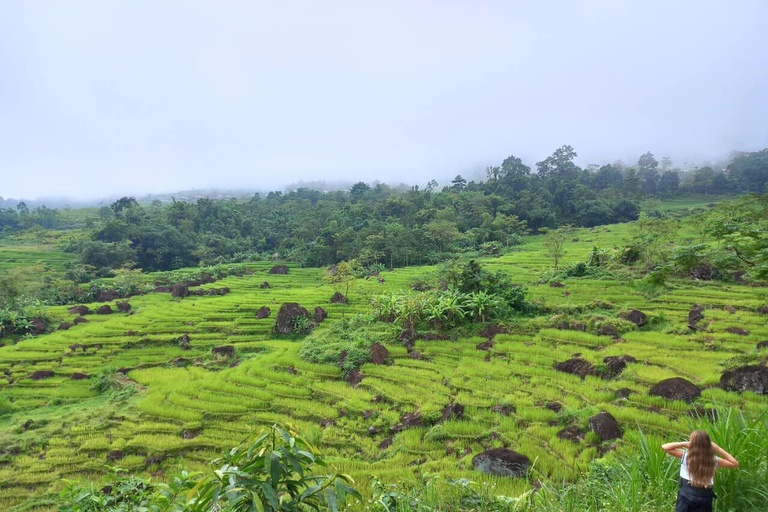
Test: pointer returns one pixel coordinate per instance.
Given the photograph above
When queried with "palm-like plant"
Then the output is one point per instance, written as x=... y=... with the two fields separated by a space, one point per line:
x=481 y=305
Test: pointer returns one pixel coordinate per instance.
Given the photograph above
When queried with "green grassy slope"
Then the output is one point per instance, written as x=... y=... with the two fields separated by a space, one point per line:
x=74 y=427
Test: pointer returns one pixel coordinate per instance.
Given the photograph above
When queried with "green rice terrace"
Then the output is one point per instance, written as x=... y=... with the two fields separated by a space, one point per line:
x=179 y=397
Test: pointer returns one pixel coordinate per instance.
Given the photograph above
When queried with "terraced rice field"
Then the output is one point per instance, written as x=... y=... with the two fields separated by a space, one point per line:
x=190 y=414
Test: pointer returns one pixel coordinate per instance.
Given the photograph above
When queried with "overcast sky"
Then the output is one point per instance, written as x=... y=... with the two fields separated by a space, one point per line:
x=108 y=97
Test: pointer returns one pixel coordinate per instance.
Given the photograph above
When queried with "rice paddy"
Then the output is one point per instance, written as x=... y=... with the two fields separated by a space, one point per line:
x=186 y=406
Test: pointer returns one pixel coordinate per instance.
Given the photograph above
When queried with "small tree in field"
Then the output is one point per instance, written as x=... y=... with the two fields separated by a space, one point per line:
x=342 y=277
x=554 y=241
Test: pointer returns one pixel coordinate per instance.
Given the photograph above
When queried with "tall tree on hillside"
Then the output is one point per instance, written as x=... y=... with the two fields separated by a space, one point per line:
x=558 y=164
x=749 y=171
x=631 y=185
x=554 y=241
x=669 y=183
x=458 y=184
x=648 y=172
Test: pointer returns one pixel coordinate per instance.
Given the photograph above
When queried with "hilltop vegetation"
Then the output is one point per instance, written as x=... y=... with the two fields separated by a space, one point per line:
x=162 y=371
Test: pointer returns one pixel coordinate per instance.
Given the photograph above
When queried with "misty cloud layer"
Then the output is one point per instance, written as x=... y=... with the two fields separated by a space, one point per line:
x=101 y=98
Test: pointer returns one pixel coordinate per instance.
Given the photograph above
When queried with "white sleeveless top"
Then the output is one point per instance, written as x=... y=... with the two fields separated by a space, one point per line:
x=684 y=470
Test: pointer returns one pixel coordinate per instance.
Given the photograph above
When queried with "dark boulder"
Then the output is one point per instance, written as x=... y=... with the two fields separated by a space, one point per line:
x=605 y=426
x=339 y=298
x=485 y=345
x=730 y=309
x=287 y=315
x=123 y=306
x=63 y=326
x=380 y=280
x=37 y=326
x=79 y=376
x=763 y=310
x=224 y=350
x=608 y=330
x=153 y=459
x=379 y=354
x=753 y=377
x=491 y=330
x=737 y=330
x=554 y=406
x=762 y=344
x=130 y=332
x=572 y=433
x=385 y=443
x=616 y=364
x=264 y=285
x=115 y=455
x=575 y=366
x=704 y=271
x=106 y=309
x=279 y=269
x=408 y=420
x=624 y=392
x=189 y=433
x=263 y=312
x=180 y=290
x=415 y=354
x=455 y=411
x=676 y=388
x=320 y=314
x=502 y=462
x=106 y=295
x=78 y=310
x=504 y=409
x=355 y=377
x=556 y=284
x=635 y=316
x=28 y=424
x=183 y=341
x=695 y=315
x=41 y=374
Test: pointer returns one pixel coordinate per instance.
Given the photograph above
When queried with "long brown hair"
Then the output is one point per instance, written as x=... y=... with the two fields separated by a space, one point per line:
x=700 y=459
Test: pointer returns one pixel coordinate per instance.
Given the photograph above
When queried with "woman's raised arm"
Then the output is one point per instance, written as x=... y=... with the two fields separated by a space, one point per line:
x=728 y=460
x=674 y=448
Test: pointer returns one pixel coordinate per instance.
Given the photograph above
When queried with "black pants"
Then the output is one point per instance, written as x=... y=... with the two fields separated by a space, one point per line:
x=694 y=499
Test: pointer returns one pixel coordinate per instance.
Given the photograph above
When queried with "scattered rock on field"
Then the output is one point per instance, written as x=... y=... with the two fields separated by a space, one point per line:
x=605 y=426
x=485 y=345
x=676 y=388
x=279 y=269
x=503 y=409
x=695 y=315
x=189 y=433
x=575 y=366
x=183 y=341
x=339 y=298
x=624 y=392
x=753 y=377
x=572 y=433
x=78 y=310
x=608 y=329
x=115 y=455
x=730 y=309
x=737 y=330
x=106 y=309
x=263 y=312
x=704 y=271
x=385 y=443
x=41 y=374
x=491 y=330
x=455 y=411
x=355 y=377
x=502 y=462
x=320 y=314
x=554 y=406
x=763 y=310
x=409 y=419
x=635 y=316
x=180 y=290
x=224 y=350
x=123 y=306
x=287 y=315
x=264 y=285
x=379 y=354
x=415 y=354
x=556 y=284
x=63 y=326
x=79 y=376
x=762 y=344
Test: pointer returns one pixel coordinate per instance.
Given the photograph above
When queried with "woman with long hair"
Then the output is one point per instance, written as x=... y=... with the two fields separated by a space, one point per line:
x=697 y=470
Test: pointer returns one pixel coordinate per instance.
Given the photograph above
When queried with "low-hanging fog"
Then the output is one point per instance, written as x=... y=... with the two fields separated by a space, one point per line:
x=103 y=98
